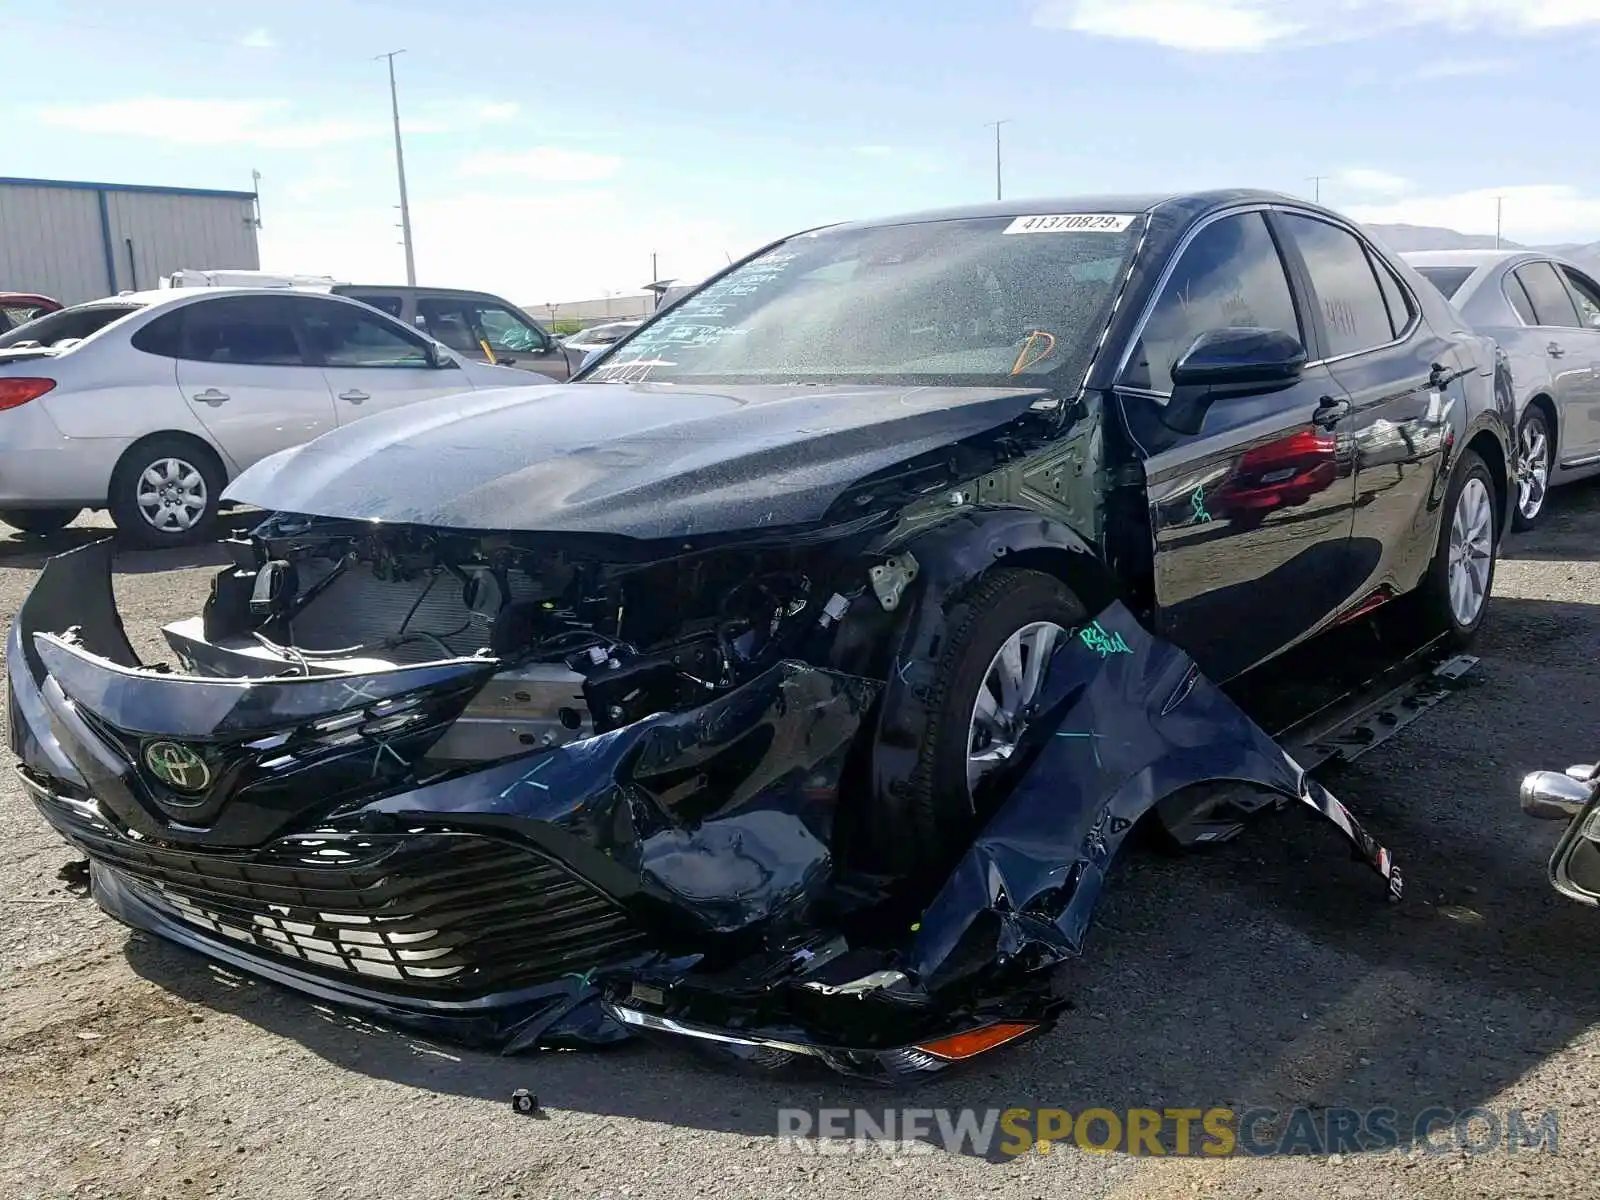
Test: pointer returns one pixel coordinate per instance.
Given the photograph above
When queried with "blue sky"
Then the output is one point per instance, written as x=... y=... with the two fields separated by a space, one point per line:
x=550 y=150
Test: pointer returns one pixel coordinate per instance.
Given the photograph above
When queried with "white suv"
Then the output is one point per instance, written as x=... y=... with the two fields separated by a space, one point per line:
x=149 y=403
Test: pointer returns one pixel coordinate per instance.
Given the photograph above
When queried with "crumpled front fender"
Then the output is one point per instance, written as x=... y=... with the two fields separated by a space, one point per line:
x=1126 y=722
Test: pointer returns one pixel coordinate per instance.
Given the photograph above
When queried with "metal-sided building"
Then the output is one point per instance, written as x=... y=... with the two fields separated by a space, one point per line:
x=79 y=241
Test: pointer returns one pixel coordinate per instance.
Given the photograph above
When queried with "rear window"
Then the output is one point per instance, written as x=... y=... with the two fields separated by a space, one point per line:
x=393 y=305
x=1447 y=279
x=68 y=324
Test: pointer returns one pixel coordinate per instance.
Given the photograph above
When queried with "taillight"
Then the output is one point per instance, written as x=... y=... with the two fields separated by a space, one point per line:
x=16 y=392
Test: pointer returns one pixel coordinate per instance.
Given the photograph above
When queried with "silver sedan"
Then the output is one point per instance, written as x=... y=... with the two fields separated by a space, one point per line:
x=1545 y=311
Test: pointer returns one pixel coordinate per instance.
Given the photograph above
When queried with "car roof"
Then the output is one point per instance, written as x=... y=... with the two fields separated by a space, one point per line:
x=1199 y=203
x=406 y=289
x=158 y=297
x=1465 y=258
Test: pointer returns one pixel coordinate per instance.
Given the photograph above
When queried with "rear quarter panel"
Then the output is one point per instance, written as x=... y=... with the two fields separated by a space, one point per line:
x=107 y=389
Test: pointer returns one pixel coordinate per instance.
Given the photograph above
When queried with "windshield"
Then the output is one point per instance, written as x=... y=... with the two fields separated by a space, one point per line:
x=1447 y=279
x=980 y=302
x=69 y=323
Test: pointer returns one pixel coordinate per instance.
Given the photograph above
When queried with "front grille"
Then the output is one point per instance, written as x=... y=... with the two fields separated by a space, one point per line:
x=451 y=915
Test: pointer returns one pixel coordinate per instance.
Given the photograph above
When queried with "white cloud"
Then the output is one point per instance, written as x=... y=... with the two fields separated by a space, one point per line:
x=605 y=241
x=1254 y=25
x=1532 y=213
x=270 y=124
x=1369 y=181
x=498 y=111
x=1204 y=25
x=258 y=39
x=547 y=164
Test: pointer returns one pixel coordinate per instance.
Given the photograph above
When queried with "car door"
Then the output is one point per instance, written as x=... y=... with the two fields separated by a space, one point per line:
x=493 y=332
x=1383 y=355
x=370 y=362
x=1251 y=516
x=244 y=373
x=1572 y=373
x=1582 y=440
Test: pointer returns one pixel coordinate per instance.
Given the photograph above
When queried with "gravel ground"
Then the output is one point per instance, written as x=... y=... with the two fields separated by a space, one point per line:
x=1265 y=973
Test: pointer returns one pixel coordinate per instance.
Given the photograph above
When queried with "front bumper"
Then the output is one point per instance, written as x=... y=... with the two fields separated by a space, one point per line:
x=674 y=876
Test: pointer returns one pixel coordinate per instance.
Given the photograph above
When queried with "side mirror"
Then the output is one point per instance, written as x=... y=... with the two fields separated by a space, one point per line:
x=439 y=358
x=1237 y=361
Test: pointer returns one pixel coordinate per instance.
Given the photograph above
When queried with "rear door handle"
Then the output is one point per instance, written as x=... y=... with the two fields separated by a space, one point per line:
x=1556 y=350
x=1330 y=411
x=211 y=396
x=354 y=396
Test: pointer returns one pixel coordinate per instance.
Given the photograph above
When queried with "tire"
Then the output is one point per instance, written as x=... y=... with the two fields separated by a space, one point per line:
x=39 y=520
x=191 y=471
x=942 y=809
x=1470 y=500
x=1535 y=450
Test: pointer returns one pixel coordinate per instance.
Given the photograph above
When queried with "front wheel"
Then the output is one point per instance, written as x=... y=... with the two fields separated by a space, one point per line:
x=987 y=678
x=1455 y=591
x=1534 y=455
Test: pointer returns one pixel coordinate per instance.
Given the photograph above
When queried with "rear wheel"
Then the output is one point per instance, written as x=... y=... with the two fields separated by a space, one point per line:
x=164 y=492
x=987 y=679
x=1455 y=591
x=39 y=520
x=1535 y=447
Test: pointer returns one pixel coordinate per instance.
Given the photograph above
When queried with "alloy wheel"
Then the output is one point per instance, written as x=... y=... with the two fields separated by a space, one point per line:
x=1005 y=698
x=1471 y=551
x=1533 y=469
x=172 y=495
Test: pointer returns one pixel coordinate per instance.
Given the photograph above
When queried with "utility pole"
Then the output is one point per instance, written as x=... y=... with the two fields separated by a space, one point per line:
x=400 y=168
x=1316 y=187
x=255 y=186
x=1499 y=202
x=996 y=125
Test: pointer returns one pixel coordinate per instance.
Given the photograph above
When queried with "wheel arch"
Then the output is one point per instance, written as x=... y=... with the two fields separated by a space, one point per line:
x=1493 y=452
x=202 y=447
x=952 y=561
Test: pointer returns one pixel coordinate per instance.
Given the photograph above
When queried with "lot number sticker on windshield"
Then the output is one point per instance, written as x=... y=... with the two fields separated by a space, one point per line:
x=1071 y=223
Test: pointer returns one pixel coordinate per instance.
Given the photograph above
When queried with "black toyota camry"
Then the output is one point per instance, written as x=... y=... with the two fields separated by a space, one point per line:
x=791 y=679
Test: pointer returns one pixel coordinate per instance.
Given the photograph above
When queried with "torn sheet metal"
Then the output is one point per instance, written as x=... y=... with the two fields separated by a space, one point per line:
x=683 y=875
x=1125 y=721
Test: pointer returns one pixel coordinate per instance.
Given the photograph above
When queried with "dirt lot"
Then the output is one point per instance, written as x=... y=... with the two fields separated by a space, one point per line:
x=1265 y=973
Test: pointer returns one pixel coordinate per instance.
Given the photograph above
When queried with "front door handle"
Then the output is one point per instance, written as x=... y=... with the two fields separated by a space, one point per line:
x=354 y=396
x=1556 y=350
x=1330 y=411
x=211 y=396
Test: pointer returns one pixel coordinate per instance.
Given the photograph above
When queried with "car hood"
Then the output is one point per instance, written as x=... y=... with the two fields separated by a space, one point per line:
x=640 y=460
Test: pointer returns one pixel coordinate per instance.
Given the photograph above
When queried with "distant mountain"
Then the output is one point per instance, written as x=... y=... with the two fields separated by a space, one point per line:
x=1432 y=237
x=1405 y=238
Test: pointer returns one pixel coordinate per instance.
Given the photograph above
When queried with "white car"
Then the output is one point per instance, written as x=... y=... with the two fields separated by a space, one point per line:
x=149 y=403
x=598 y=337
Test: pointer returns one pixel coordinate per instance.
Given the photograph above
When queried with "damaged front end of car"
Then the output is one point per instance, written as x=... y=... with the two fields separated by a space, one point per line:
x=526 y=790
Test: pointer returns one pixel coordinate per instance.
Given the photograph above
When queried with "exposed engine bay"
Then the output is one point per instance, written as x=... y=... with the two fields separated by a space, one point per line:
x=588 y=645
